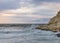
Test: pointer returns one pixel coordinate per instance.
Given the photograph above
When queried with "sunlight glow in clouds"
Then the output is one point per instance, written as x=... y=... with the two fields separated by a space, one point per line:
x=20 y=10
x=27 y=11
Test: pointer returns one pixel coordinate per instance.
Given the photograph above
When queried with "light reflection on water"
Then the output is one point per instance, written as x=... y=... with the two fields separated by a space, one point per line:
x=14 y=35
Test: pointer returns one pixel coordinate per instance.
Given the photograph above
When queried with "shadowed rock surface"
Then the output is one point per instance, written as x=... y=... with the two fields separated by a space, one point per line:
x=58 y=35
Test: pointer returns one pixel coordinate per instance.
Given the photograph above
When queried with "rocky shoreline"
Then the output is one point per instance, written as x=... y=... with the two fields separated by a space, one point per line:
x=53 y=25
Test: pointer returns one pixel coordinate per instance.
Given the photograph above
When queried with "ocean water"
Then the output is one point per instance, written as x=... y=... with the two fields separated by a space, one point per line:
x=26 y=34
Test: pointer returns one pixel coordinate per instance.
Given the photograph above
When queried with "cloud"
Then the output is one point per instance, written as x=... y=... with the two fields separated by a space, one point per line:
x=20 y=10
x=27 y=11
x=6 y=19
x=9 y=4
x=13 y=4
x=37 y=2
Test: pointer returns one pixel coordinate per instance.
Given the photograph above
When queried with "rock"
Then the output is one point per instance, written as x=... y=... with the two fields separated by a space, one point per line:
x=58 y=35
x=43 y=27
x=53 y=24
x=37 y=28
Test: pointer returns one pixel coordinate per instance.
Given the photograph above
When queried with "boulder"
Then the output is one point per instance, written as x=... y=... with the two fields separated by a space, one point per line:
x=58 y=35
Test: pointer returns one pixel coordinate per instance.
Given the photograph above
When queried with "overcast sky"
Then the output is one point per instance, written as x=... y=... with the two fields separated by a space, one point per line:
x=28 y=11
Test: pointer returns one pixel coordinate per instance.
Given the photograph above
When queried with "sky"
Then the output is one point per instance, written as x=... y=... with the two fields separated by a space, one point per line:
x=28 y=11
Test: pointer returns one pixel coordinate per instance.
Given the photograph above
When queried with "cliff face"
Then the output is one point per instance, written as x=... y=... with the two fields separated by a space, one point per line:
x=53 y=24
x=55 y=19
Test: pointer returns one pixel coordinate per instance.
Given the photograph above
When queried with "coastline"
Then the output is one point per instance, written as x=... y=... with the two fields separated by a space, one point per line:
x=52 y=25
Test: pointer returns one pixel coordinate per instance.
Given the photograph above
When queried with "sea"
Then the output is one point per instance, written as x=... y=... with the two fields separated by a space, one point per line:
x=26 y=33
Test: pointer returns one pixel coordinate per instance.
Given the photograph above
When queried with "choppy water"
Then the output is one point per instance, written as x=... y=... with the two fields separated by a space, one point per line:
x=26 y=34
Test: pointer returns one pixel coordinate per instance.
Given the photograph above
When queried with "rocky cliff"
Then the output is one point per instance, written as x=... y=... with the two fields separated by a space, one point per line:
x=53 y=24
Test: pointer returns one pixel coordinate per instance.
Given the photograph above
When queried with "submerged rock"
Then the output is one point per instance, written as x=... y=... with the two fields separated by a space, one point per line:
x=58 y=35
